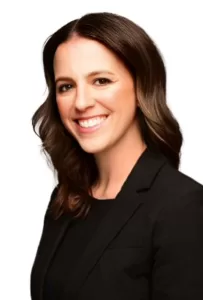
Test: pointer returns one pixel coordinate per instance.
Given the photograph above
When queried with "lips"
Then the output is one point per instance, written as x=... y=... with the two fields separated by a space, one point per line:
x=92 y=126
x=91 y=122
x=90 y=117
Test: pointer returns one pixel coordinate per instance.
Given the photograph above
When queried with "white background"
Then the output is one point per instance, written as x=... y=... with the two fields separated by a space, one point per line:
x=26 y=180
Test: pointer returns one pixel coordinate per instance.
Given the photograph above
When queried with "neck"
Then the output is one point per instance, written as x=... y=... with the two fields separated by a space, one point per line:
x=116 y=163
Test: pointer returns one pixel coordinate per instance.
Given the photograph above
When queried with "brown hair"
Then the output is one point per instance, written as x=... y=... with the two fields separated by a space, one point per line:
x=76 y=170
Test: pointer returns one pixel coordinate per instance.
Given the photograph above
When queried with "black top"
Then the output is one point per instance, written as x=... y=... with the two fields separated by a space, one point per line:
x=72 y=246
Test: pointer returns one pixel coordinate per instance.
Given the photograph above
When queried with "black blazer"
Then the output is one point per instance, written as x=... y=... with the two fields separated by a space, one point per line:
x=148 y=246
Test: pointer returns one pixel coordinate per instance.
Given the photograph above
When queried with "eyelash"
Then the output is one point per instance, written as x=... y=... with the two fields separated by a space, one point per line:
x=60 y=88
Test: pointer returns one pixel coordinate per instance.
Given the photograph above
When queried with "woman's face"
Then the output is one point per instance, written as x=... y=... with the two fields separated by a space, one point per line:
x=95 y=94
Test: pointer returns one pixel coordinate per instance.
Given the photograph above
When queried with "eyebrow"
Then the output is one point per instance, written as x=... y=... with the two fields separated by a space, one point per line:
x=65 y=78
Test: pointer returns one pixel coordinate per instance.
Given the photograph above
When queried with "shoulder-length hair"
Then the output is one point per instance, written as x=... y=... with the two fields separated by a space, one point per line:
x=76 y=170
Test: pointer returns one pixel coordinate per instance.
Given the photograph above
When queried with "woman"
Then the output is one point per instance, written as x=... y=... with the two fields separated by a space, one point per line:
x=123 y=221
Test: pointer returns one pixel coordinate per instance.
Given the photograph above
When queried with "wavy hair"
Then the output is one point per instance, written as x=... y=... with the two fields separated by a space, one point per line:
x=76 y=170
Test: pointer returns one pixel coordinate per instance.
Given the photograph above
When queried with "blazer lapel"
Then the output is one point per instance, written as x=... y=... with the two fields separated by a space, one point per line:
x=126 y=203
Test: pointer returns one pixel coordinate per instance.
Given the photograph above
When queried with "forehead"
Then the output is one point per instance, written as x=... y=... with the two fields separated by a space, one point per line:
x=80 y=53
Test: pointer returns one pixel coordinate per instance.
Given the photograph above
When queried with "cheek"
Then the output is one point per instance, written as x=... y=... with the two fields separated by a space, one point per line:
x=110 y=98
x=64 y=108
x=119 y=98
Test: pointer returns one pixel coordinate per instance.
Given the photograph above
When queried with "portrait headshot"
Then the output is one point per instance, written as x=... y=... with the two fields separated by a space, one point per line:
x=123 y=221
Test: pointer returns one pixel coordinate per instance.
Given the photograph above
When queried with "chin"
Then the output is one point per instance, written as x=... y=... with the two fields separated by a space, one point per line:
x=94 y=148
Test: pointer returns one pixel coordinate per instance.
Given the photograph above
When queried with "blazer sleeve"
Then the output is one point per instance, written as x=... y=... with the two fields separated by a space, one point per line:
x=178 y=250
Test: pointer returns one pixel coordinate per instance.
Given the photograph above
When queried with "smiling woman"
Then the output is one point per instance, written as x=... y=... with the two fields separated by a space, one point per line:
x=123 y=222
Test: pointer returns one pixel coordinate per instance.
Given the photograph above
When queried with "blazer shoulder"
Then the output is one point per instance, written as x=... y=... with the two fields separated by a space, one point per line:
x=52 y=198
x=175 y=180
x=53 y=194
x=172 y=189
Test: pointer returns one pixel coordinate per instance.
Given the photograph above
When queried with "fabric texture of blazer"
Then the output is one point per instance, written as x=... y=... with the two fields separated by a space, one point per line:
x=148 y=246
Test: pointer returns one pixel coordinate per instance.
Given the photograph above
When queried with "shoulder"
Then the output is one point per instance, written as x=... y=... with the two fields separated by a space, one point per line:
x=171 y=191
x=175 y=183
x=52 y=198
x=177 y=178
x=54 y=194
x=176 y=195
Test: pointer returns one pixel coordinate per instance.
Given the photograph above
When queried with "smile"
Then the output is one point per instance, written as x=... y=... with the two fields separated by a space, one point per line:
x=90 y=125
x=91 y=122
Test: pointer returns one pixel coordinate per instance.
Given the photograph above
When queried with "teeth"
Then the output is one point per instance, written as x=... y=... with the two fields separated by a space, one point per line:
x=91 y=122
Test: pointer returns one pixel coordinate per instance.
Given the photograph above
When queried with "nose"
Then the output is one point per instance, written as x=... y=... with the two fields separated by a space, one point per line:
x=83 y=99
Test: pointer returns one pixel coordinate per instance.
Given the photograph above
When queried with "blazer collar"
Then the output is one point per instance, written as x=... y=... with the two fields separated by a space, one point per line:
x=144 y=171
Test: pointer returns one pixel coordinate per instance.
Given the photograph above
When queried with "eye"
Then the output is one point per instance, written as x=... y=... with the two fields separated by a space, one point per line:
x=64 y=88
x=102 y=81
